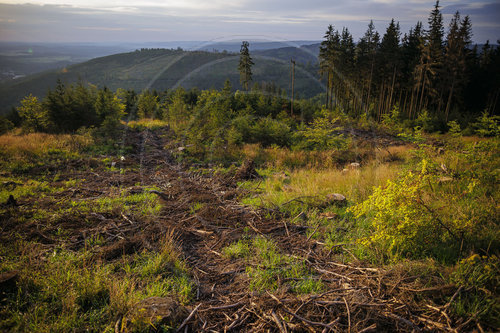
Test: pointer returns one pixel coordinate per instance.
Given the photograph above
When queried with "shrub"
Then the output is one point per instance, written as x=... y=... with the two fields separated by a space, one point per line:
x=480 y=276
x=454 y=128
x=425 y=121
x=268 y=131
x=487 y=125
x=35 y=117
x=321 y=135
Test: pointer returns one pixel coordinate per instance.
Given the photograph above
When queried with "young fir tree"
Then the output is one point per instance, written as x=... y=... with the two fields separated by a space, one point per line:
x=245 y=65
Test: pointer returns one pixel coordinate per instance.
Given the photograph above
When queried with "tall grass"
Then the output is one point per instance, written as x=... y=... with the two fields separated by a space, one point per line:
x=40 y=143
x=147 y=123
x=356 y=185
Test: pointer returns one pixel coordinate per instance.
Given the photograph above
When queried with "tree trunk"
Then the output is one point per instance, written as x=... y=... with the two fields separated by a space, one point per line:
x=449 y=99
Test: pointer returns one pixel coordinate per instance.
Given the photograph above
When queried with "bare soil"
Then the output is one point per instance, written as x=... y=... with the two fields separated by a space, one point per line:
x=357 y=297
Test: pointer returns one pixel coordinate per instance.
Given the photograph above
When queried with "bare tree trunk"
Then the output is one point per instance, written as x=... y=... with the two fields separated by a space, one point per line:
x=449 y=99
x=392 y=89
x=495 y=103
x=380 y=102
x=413 y=92
x=422 y=94
x=404 y=103
x=369 y=88
x=440 y=100
x=328 y=91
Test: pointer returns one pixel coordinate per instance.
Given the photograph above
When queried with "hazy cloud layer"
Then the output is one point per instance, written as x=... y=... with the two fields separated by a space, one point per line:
x=152 y=20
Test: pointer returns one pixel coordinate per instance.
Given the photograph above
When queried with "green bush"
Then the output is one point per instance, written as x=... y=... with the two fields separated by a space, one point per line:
x=479 y=276
x=487 y=125
x=321 y=135
x=268 y=131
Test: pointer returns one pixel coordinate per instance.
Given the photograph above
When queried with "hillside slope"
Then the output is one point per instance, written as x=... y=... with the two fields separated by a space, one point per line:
x=164 y=69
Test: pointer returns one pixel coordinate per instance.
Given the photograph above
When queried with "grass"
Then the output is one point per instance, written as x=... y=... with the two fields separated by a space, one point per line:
x=142 y=204
x=40 y=143
x=60 y=288
x=269 y=269
x=146 y=123
x=23 y=153
x=21 y=188
x=65 y=289
x=311 y=186
x=442 y=221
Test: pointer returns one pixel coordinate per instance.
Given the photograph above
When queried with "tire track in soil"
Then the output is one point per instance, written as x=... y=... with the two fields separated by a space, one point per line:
x=357 y=298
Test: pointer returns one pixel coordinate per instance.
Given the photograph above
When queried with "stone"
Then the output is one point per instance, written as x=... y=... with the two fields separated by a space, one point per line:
x=354 y=165
x=445 y=180
x=153 y=312
x=8 y=281
x=336 y=198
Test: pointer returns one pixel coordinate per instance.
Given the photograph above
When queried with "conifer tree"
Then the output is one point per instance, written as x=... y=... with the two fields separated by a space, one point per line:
x=245 y=65
x=328 y=56
x=433 y=58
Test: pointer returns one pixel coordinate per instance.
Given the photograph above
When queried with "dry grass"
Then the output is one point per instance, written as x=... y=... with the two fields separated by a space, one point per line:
x=283 y=158
x=356 y=184
x=39 y=143
x=146 y=123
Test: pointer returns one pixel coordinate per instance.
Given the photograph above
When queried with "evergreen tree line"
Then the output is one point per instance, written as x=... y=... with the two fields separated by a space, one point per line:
x=423 y=70
x=261 y=115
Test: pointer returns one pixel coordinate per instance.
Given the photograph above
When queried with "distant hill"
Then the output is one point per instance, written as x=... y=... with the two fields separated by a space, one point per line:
x=22 y=59
x=302 y=55
x=165 y=69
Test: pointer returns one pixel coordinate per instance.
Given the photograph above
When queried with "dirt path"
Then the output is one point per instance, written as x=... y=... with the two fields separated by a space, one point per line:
x=355 y=298
x=202 y=214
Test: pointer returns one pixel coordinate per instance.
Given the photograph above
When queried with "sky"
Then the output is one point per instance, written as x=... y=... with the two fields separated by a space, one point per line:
x=133 y=21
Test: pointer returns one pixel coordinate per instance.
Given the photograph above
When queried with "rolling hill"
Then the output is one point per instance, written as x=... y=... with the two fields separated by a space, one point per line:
x=167 y=68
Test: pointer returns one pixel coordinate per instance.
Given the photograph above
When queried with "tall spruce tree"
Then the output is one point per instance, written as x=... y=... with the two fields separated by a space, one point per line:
x=434 y=54
x=366 y=51
x=328 y=58
x=245 y=65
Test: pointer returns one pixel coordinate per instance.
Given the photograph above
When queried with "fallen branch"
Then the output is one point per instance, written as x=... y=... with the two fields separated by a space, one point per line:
x=313 y=323
x=223 y=307
x=188 y=318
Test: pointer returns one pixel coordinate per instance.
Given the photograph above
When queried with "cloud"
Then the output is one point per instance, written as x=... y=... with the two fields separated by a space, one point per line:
x=158 y=20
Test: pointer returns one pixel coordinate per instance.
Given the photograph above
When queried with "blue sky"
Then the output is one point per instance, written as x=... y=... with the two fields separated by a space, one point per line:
x=175 y=20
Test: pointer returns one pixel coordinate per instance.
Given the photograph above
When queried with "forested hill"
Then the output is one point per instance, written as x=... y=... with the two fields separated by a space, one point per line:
x=163 y=69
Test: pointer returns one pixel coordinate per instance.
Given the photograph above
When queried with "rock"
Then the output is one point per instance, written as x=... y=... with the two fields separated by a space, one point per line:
x=445 y=180
x=329 y=215
x=152 y=313
x=336 y=198
x=181 y=148
x=8 y=281
x=354 y=165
